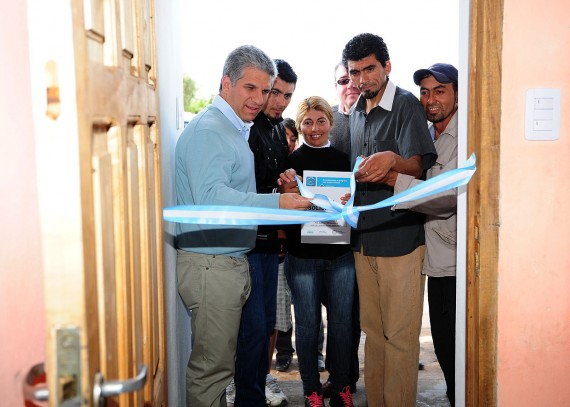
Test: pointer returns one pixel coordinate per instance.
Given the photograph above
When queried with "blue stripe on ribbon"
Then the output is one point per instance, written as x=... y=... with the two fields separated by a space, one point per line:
x=244 y=215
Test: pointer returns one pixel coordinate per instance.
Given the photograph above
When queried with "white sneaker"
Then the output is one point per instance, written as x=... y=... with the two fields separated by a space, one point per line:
x=321 y=364
x=273 y=394
x=231 y=394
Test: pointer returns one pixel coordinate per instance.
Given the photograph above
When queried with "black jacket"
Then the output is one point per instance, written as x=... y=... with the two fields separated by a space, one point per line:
x=268 y=142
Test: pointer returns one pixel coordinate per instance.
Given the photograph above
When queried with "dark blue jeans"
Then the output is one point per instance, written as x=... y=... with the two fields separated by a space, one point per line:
x=256 y=326
x=309 y=279
x=356 y=333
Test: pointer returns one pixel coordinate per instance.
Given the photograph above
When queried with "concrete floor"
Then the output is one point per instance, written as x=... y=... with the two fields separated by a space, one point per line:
x=431 y=385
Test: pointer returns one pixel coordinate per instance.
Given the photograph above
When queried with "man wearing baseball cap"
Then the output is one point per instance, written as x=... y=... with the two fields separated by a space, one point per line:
x=438 y=96
x=443 y=73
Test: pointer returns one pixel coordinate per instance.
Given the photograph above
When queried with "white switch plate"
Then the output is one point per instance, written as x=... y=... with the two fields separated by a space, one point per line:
x=542 y=115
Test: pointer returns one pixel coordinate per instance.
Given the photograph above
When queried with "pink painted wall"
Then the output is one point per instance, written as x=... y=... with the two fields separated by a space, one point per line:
x=534 y=248
x=21 y=285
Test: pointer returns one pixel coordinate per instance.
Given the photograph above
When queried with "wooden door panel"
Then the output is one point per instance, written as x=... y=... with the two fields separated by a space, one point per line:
x=136 y=250
x=127 y=29
x=93 y=14
x=148 y=56
x=117 y=149
x=149 y=258
x=103 y=204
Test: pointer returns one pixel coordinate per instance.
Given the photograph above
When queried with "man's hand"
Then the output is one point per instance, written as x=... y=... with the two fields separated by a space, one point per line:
x=293 y=201
x=376 y=167
x=390 y=178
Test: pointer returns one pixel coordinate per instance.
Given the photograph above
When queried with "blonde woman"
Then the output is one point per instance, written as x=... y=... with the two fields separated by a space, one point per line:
x=318 y=272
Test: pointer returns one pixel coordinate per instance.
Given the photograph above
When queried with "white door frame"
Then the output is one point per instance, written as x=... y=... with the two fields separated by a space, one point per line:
x=461 y=297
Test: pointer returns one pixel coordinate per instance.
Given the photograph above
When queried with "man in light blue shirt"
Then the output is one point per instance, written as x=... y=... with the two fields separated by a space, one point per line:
x=214 y=166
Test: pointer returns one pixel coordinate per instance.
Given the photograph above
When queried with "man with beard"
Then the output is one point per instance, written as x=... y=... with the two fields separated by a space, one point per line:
x=388 y=127
x=254 y=386
x=438 y=95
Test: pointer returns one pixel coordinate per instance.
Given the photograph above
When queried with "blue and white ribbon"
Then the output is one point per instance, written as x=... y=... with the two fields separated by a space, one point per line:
x=247 y=215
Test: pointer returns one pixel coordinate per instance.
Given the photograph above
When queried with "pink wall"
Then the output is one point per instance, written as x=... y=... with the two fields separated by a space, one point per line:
x=21 y=285
x=534 y=248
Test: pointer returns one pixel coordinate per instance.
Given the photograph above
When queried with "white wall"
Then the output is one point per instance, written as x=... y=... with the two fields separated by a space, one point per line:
x=169 y=69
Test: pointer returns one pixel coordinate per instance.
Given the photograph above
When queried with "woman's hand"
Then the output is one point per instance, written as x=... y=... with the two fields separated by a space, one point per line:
x=287 y=181
x=344 y=199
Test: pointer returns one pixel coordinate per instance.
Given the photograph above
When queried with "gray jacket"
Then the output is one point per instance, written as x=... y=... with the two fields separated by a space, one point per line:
x=441 y=209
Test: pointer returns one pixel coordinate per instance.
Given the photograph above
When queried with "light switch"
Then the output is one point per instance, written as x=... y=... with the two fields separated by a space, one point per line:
x=542 y=125
x=542 y=116
x=543 y=103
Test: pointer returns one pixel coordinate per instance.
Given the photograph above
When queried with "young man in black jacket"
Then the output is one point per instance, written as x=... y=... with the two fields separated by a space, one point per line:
x=268 y=142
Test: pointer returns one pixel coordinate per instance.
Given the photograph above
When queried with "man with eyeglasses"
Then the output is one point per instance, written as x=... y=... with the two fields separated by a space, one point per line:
x=348 y=94
x=254 y=385
x=388 y=127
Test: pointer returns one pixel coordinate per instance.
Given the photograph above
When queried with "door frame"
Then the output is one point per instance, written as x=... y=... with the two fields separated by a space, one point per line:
x=482 y=232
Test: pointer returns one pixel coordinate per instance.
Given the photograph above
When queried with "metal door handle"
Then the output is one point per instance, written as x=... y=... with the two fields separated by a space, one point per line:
x=102 y=389
x=41 y=395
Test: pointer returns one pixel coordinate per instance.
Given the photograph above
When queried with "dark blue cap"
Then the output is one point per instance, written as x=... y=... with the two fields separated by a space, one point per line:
x=443 y=73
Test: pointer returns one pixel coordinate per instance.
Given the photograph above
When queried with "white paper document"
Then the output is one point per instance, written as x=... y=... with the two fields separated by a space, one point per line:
x=333 y=184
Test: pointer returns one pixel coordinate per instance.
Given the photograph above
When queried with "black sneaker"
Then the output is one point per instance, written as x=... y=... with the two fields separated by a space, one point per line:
x=282 y=365
x=314 y=400
x=342 y=399
x=327 y=388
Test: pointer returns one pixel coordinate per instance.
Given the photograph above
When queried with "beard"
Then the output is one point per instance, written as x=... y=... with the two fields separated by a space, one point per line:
x=372 y=93
x=369 y=94
x=275 y=120
x=436 y=118
x=440 y=116
x=272 y=118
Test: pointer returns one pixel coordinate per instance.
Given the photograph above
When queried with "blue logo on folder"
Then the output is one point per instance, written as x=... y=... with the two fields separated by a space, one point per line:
x=332 y=182
x=311 y=181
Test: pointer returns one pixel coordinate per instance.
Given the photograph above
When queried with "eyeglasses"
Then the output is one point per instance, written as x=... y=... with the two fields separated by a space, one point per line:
x=343 y=81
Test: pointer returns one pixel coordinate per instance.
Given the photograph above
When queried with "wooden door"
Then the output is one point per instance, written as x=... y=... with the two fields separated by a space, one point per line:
x=98 y=146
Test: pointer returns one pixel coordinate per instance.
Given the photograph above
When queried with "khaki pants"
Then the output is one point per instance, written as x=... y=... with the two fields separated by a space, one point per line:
x=391 y=300
x=215 y=289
